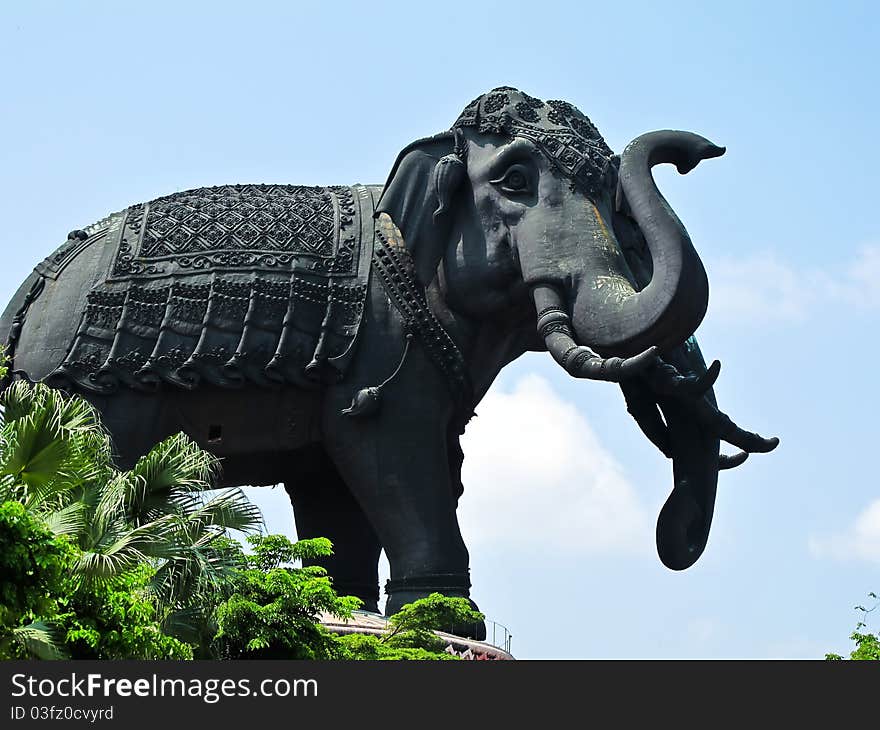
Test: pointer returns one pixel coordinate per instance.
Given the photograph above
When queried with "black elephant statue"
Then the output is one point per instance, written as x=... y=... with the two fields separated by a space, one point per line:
x=338 y=339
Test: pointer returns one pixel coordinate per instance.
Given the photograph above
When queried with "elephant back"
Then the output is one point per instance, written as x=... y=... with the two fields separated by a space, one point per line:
x=229 y=285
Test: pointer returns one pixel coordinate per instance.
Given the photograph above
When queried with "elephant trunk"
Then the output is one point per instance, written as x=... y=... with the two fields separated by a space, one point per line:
x=608 y=313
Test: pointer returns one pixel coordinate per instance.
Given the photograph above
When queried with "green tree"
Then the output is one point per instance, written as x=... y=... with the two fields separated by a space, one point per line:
x=367 y=647
x=56 y=461
x=867 y=645
x=109 y=564
x=412 y=630
x=117 y=620
x=273 y=612
x=48 y=613
x=33 y=563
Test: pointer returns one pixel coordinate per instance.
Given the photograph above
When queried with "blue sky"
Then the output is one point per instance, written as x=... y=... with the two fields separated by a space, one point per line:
x=106 y=104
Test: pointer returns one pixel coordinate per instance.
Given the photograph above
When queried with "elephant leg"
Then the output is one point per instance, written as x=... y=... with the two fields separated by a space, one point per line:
x=323 y=506
x=397 y=465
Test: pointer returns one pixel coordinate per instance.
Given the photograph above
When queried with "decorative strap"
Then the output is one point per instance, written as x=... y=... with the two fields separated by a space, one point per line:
x=394 y=265
x=14 y=333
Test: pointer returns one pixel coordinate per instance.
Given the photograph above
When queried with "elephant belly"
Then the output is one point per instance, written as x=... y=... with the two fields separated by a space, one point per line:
x=252 y=430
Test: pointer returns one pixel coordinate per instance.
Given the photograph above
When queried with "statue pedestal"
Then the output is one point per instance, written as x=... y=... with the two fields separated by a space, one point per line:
x=365 y=622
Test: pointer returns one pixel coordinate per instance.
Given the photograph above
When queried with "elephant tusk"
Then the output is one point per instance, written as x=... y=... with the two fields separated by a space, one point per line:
x=746 y=440
x=719 y=424
x=554 y=327
x=733 y=461
x=665 y=379
x=647 y=415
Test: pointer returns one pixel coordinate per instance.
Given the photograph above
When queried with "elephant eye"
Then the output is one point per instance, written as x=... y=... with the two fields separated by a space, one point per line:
x=515 y=180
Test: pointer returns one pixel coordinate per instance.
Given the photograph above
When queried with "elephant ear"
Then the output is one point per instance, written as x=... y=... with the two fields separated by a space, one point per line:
x=686 y=517
x=419 y=190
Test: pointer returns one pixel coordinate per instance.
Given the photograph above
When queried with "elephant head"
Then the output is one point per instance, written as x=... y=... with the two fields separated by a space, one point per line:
x=522 y=205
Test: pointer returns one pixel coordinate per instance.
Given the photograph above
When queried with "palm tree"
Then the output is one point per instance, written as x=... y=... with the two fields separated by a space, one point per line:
x=57 y=460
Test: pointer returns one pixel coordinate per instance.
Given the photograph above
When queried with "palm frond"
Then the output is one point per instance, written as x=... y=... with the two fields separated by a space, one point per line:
x=164 y=481
x=232 y=510
x=199 y=566
x=43 y=497
x=120 y=496
x=48 y=433
x=186 y=624
x=18 y=400
x=35 y=448
x=177 y=578
x=118 y=549
x=72 y=519
x=78 y=416
x=40 y=640
x=9 y=488
x=58 y=459
x=177 y=462
x=91 y=456
x=95 y=567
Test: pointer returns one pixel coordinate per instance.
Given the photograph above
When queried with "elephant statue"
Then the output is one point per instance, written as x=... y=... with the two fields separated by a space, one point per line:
x=337 y=339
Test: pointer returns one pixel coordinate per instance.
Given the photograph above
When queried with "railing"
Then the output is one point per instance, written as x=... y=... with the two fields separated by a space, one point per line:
x=498 y=635
x=501 y=636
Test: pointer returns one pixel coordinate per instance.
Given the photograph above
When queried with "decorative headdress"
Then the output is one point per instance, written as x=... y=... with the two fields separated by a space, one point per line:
x=566 y=136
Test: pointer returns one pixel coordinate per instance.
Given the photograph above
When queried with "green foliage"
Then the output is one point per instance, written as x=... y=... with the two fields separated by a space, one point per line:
x=274 y=610
x=412 y=634
x=47 y=612
x=274 y=551
x=367 y=647
x=118 y=621
x=98 y=563
x=33 y=563
x=867 y=647
x=148 y=552
x=867 y=644
x=414 y=625
x=56 y=459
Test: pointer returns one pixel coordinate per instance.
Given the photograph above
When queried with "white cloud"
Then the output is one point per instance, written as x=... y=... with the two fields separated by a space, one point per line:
x=766 y=288
x=756 y=288
x=864 y=277
x=537 y=477
x=702 y=630
x=861 y=541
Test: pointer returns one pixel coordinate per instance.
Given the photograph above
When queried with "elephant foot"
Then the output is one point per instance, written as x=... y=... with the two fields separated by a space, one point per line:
x=405 y=591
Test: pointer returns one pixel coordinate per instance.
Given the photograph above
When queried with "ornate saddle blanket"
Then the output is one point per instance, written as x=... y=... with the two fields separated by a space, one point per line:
x=226 y=285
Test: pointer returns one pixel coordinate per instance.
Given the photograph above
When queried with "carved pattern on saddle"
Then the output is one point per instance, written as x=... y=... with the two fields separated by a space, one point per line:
x=241 y=227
